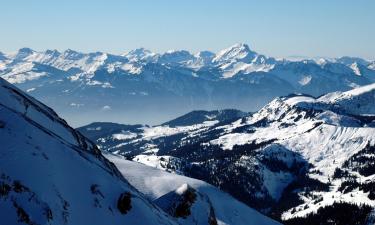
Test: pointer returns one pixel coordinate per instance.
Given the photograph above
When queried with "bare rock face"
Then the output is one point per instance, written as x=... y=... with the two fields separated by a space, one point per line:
x=188 y=205
x=187 y=199
x=124 y=202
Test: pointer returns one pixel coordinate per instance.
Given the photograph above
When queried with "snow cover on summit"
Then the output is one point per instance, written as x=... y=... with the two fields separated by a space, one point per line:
x=164 y=85
x=233 y=60
x=239 y=58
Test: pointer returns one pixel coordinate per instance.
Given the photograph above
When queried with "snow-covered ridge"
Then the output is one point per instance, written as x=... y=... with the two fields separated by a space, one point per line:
x=236 y=52
x=357 y=95
x=359 y=101
x=235 y=59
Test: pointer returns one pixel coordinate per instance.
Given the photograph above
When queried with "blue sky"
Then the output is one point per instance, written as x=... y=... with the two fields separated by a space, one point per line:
x=273 y=27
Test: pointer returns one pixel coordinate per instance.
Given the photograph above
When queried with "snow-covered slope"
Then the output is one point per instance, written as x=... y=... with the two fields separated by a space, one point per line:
x=158 y=186
x=297 y=156
x=145 y=87
x=51 y=174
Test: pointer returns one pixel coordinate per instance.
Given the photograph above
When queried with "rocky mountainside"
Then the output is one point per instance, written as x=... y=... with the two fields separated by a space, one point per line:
x=141 y=86
x=298 y=159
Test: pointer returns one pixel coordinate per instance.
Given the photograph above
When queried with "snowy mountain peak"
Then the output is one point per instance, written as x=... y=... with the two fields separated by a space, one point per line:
x=236 y=52
x=72 y=55
x=239 y=58
x=347 y=60
x=241 y=46
x=23 y=53
x=177 y=52
x=205 y=54
x=140 y=54
x=203 y=58
x=50 y=55
x=321 y=61
x=141 y=51
x=52 y=52
x=2 y=56
x=176 y=56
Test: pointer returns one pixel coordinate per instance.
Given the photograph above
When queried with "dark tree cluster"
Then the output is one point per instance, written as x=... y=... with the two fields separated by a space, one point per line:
x=290 y=198
x=337 y=214
x=363 y=161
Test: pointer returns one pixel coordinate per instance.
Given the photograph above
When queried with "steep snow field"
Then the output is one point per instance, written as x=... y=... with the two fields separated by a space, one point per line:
x=50 y=174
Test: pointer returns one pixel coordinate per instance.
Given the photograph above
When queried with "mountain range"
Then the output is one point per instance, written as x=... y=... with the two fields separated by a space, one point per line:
x=300 y=159
x=145 y=87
